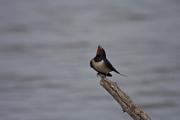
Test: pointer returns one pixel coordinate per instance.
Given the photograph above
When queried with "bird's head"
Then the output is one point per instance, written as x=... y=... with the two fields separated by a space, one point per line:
x=100 y=52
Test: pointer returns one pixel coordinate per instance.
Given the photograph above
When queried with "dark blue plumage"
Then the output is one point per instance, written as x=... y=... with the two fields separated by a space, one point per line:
x=101 y=64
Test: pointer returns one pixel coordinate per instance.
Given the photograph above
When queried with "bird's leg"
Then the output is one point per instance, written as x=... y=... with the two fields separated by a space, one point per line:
x=101 y=75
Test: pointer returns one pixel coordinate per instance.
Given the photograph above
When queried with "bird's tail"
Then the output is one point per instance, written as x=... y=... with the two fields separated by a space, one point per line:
x=121 y=73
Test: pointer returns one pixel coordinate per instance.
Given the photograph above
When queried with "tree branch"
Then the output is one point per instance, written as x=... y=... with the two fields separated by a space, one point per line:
x=125 y=102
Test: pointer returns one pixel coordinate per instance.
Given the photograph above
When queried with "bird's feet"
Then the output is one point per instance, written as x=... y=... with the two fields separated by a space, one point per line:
x=101 y=75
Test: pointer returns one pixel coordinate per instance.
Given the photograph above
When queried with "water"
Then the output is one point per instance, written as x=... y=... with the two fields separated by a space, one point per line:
x=45 y=48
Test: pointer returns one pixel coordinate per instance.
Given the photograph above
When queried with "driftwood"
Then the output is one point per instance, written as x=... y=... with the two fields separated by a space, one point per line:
x=126 y=103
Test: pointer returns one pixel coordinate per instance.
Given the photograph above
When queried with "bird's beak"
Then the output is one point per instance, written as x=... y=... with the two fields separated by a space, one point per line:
x=99 y=46
x=99 y=49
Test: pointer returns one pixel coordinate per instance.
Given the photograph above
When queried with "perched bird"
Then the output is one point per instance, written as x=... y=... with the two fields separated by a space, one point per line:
x=101 y=64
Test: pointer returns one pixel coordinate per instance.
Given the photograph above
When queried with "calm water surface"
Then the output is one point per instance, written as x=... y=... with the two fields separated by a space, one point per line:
x=45 y=48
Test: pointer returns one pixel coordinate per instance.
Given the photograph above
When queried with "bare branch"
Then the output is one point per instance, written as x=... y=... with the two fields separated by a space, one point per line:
x=126 y=103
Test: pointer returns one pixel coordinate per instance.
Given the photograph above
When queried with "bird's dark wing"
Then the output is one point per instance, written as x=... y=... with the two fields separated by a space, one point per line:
x=110 y=66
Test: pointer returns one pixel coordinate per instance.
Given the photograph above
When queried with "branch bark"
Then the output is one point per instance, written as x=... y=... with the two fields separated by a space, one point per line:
x=125 y=102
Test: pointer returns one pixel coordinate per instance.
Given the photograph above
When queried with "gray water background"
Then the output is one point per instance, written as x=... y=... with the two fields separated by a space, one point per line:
x=46 y=45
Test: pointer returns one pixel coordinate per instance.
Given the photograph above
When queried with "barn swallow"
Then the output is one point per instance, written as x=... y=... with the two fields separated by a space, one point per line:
x=101 y=64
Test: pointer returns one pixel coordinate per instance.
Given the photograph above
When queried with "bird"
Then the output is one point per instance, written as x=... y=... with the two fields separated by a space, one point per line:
x=101 y=64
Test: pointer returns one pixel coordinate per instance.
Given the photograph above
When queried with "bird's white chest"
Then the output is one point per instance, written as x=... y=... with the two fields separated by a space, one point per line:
x=101 y=67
